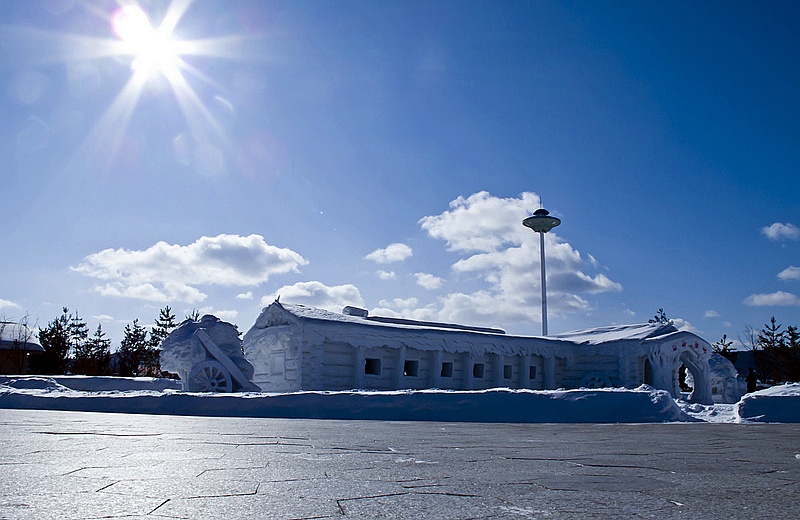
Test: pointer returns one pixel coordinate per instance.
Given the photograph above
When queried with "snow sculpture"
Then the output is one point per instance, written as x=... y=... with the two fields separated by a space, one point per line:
x=207 y=355
x=725 y=384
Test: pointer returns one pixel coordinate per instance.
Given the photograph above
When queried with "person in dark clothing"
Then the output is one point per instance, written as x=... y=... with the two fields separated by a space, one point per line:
x=751 y=380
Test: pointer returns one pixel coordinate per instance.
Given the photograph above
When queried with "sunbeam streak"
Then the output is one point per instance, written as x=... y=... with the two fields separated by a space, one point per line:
x=105 y=138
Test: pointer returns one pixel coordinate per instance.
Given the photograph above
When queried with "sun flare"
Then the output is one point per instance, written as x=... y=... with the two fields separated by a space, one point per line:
x=153 y=50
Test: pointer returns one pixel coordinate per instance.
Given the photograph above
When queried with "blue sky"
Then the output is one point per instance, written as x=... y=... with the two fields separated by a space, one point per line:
x=384 y=154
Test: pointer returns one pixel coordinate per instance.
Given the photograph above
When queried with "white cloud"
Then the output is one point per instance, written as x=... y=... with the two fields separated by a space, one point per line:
x=386 y=275
x=225 y=315
x=428 y=281
x=103 y=317
x=7 y=304
x=317 y=294
x=711 y=314
x=407 y=308
x=482 y=222
x=148 y=292
x=396 y=252
x=486 y=309
x=245 y=296
x=778 y=231
x=682 y=324
x=790 y=273
x=779 y=298
x=505 y=255
x=170 y=272
x=400 y=303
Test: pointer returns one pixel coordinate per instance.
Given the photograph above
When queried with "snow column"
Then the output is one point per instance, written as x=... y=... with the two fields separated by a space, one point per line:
x=550 y=371
x=436 y=369
x=359 y=368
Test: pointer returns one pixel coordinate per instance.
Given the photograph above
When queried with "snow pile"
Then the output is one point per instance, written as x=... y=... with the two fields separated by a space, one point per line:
x=716 y=413
x=776 y=404
x=93 y=383
x=45 y=384
x=641 y=405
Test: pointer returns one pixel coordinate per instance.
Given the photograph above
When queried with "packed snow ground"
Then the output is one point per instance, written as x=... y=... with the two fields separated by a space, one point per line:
x=163 y=396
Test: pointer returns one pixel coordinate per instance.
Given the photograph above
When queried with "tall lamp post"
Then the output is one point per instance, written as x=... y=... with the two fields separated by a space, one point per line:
x=541 y=222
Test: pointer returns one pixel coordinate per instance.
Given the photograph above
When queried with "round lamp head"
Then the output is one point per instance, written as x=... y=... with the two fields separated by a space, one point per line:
x=541 y=221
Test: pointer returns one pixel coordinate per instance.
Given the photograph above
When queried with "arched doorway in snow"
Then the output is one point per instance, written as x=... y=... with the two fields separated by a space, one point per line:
x=684 y=380
x=692 y=374
x=648 y=372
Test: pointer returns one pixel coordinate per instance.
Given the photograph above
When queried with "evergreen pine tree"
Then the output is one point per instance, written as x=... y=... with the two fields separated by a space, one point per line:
x=78 y=332
x=164 y=325
x=56 y=340
x=792 y=337
x=660 y=317
x=771 y=346
x=151 y=363
x=723 y=348
x=792 y=341
x=132 y=349
x=93 y=356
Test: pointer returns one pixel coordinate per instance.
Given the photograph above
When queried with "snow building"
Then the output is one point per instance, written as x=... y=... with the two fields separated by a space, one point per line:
x=294 y=348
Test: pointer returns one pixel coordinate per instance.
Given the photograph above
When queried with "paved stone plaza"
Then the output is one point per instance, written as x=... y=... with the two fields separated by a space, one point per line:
x=95 y=465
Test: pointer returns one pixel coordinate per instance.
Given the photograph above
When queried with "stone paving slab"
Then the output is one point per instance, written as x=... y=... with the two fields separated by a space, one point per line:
x=83 y=465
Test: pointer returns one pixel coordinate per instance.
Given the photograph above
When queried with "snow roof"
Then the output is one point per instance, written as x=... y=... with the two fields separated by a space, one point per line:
x=12 y=336
x=640 y=331
x=587 y=337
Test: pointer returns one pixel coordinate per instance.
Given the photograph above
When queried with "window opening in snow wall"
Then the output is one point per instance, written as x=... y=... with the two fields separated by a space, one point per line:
x=447 y=369
x=372 y=366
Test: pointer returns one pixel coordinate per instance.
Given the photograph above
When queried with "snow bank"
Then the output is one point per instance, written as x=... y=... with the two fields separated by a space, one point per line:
x=641 y=405
x=92 y=383
x=777 y=404
x=162 y=396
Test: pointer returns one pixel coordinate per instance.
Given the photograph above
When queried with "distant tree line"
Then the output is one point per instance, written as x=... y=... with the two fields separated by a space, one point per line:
x=776 y=351
x=68 y=347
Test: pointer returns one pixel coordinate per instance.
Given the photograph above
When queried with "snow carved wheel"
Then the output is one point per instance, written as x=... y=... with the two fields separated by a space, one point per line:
x=210 y=376
x=595 y=380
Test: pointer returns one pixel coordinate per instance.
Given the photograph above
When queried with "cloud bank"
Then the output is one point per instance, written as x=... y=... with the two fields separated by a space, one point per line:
x=170 y=272
x=7 y=304
x=778 y=231
x=790 y=273
x=317 y=294
x=779 y=298
x=396 y=252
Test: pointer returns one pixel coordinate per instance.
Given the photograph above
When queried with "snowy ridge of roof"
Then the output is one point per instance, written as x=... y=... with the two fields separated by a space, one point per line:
x=303 y=312
x=639 y=331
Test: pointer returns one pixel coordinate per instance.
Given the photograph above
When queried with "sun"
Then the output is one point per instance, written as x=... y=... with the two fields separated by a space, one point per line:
x=153 y=50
